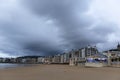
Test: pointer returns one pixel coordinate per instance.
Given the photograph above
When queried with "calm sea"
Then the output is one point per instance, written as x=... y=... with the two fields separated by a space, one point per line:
x=8 y=65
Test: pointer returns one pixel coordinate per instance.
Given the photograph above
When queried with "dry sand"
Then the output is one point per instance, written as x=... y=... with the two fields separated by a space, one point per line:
x=59 y=72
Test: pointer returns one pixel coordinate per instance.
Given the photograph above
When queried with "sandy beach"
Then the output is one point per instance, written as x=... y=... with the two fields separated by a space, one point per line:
x=59 y=72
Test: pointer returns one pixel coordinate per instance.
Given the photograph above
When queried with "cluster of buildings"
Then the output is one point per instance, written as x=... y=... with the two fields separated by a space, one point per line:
x=113 y=56
x=7 y=60
x=87 y=56
x=73 y=57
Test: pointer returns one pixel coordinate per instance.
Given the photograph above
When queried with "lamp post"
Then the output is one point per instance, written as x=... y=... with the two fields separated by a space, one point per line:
x=109 y=58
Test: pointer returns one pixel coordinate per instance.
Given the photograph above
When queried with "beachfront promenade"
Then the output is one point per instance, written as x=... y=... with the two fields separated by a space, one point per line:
x=59 y=72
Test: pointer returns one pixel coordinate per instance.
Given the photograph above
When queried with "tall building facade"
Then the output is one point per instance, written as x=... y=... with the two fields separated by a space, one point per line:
x=81 y=54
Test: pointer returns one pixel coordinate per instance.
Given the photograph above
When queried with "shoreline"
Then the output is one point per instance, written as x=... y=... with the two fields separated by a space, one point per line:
x=17 y=66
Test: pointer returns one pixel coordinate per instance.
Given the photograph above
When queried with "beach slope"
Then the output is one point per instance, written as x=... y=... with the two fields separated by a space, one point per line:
x=59 y=72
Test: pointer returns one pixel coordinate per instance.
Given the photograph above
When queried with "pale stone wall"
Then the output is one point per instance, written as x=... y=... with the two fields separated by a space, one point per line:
x=95 y=64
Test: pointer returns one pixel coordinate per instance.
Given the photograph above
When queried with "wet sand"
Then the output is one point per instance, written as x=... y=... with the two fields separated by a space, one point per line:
x=59 y=72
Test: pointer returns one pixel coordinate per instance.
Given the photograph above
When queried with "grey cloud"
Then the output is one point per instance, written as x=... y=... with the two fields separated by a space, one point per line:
x=45 y=27
x=74 y=28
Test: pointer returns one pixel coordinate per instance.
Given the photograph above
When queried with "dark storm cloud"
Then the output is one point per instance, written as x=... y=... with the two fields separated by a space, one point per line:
x=19 y=29
x=71 y=19
x=45 y=27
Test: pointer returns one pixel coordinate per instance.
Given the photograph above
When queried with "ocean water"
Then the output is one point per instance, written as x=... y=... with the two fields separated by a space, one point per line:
x=8 y=65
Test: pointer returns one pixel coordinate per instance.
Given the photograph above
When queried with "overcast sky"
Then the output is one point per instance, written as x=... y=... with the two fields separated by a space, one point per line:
x=45 y=27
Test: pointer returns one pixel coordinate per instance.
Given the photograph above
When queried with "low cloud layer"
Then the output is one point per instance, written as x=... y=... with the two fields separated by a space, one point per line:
x=46 y=27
